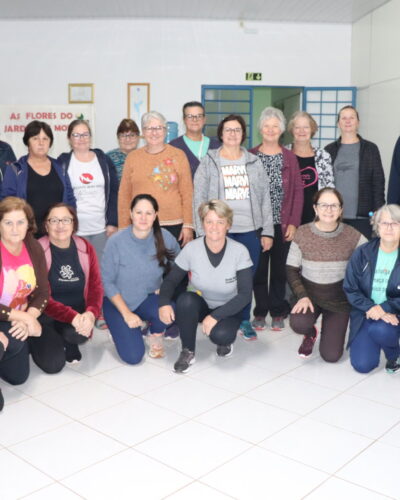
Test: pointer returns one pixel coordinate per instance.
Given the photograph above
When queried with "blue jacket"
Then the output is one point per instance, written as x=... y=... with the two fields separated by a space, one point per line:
x=16 y=180
x=358 y=285
x=194 y=162
x=110 y=183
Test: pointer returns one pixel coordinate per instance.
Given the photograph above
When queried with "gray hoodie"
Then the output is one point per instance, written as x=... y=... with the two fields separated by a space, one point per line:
x=207 y=181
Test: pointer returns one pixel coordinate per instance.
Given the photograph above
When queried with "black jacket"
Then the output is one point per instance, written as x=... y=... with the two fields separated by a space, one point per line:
x=393 y=195
x=371 y=184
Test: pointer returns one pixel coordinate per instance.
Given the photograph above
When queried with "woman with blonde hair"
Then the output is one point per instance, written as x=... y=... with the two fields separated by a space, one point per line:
x=220 y=283
x=315 y=163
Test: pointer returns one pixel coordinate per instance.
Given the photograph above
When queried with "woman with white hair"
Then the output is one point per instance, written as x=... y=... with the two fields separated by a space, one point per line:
x=372 y=288
x=163 y=172
x=286 y=193
x=315 y=163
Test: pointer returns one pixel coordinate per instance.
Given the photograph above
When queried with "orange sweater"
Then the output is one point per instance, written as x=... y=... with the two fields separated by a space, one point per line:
x=166 y=176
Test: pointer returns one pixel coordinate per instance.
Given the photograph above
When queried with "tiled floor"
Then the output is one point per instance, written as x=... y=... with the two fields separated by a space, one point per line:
x=261 y=424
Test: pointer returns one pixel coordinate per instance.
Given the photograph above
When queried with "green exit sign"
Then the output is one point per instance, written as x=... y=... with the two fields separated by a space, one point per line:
x=254 y=77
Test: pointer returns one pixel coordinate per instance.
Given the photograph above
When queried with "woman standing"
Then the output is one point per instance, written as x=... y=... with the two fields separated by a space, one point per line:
x=133 y=265
x=37 y=178
x=315 y=163
x=315 y=269
x=358 y=172
x=23 y=288
x=162 y=171
x=95 y=186
x=220 y=271
x=76 y=292
x=128 y=139
x=372 y=288
x=234 y=175
x=286 y=192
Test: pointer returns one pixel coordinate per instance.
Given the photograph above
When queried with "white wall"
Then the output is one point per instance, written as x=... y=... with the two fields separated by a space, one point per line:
x=40 y=58
x=376 y=73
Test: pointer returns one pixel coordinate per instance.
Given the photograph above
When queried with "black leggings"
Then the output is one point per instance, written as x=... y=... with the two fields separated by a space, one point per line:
x=191 y=309
x=48 y=350
x=271 y=296
x=14 y=365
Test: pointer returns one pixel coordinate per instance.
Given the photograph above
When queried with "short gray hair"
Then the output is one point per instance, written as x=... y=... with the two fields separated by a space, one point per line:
x=153 y=115
x=392 y=209
x=271 y=112
x=222 y=209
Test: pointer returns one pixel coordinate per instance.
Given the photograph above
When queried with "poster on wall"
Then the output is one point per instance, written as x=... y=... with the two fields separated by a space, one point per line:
x=13 y=120
x=138 y=101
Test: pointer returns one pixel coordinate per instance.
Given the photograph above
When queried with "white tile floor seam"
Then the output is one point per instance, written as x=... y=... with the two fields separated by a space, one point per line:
x=233 y=428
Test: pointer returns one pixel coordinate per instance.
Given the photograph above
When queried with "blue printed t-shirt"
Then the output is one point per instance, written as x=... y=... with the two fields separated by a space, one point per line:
x=384 y=266
x=17 y=278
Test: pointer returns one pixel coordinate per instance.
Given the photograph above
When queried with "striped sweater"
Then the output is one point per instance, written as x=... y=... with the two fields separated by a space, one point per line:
x=317 y=261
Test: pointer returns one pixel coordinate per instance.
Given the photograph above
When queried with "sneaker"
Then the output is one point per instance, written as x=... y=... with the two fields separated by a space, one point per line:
x=224 y=351
x=393 y=366
x=156 y=346
x=186 y=358
x=172 y=332
x=258 y=323
x=100 y=323
x=145 y=328
x=72 y=353
x=277 y=324
x=306 y=347
x=246 y=331
x=1 y=400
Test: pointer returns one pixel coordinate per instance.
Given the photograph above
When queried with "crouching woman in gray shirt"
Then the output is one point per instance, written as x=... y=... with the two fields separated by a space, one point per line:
x=220 y=285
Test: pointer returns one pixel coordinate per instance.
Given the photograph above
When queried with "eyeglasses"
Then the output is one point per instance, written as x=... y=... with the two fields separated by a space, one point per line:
x=237 y=130
x=326 y=206
x=195 y=117
x=154 y=129
x=65 y=221
x=85 y=135
x=127 y=136
x=306 y=127
x=389 y=225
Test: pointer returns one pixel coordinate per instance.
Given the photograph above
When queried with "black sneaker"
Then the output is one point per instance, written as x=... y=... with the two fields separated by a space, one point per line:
x=224 y=351
x=392 y=366
x=72 y=353
x=1 y=400
x=186 y=358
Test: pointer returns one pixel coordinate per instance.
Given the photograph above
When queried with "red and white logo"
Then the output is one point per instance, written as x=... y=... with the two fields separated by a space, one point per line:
x=86 y=178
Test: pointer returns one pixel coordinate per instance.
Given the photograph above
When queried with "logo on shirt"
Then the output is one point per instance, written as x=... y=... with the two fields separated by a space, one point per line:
x=309 y=176
x=86 y=178
x=236 y=182
x=66 y=272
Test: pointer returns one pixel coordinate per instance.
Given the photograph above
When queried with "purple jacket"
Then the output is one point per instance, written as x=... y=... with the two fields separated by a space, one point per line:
x=293 y=194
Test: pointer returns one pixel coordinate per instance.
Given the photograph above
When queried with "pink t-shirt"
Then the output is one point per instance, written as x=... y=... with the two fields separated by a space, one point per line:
x=17 y=278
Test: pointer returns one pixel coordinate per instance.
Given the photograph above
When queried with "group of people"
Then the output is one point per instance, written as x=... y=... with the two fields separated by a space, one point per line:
x=186 y=232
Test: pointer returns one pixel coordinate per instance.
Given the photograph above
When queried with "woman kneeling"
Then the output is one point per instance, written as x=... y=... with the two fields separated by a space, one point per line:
x=372 y=288
x=133 y=264
x=220 y=280
x=76 y=292
x=315 y=267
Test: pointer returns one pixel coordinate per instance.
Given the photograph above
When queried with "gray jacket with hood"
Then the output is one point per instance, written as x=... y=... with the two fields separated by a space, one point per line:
x=207 y=186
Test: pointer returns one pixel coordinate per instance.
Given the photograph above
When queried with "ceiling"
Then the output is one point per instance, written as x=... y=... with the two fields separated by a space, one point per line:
x=317 y=11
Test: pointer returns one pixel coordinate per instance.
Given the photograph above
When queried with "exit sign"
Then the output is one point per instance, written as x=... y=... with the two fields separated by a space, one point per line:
x=254 y=76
